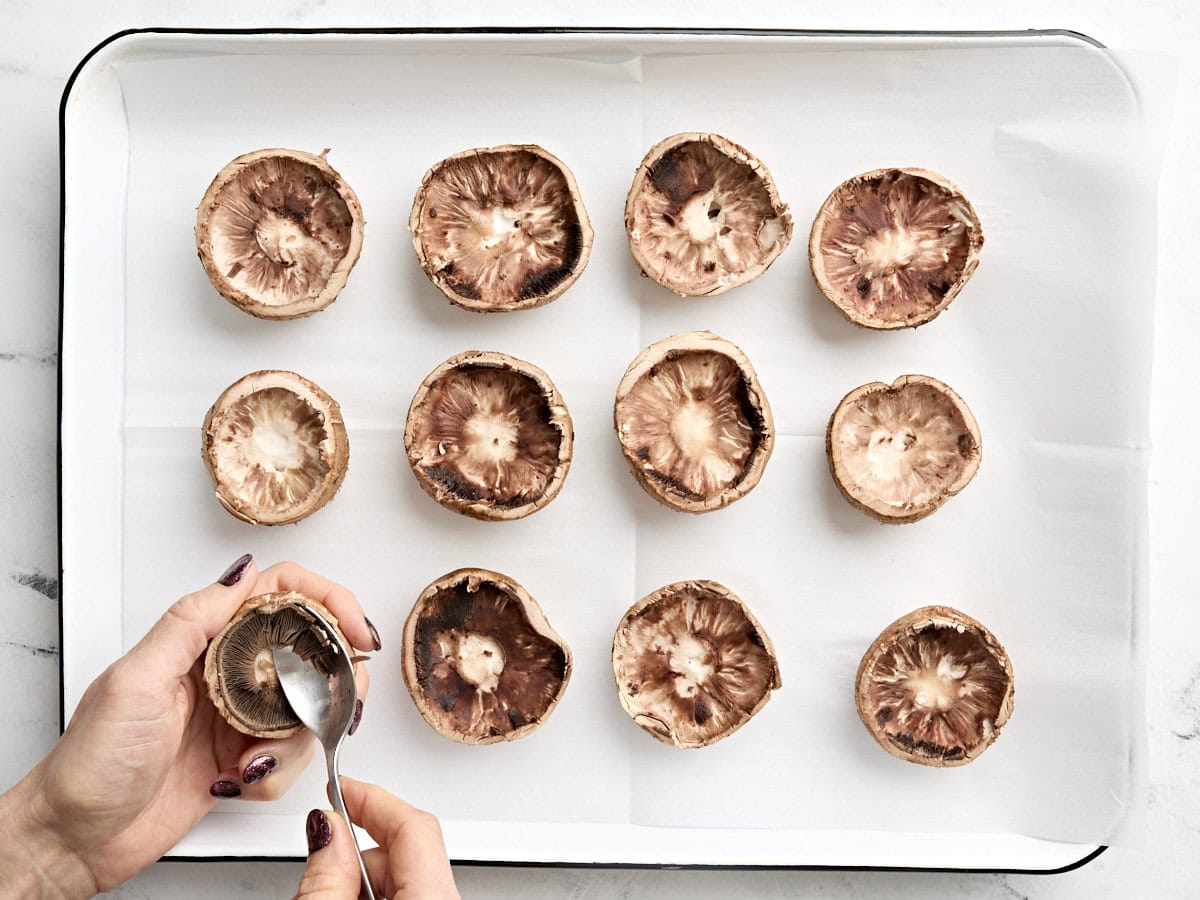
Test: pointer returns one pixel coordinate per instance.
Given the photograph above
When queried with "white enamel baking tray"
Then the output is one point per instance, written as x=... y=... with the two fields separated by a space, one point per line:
x=149 y=117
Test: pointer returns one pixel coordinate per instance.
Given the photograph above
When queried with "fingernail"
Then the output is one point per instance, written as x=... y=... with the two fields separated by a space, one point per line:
x=235 y=572
x=357 y=717
x=374 y=634
x=259 y=768
x=225 y=789
x=318 y=831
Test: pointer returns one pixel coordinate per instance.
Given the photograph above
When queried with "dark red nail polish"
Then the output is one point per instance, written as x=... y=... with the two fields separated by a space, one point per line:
x=225 y=789
x=318 y=831
x=259 y=768
x=235 y=572
x=357 y=717
x=374 y=634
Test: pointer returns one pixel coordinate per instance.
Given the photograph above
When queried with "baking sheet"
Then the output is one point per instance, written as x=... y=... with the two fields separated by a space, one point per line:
x=1049 y=344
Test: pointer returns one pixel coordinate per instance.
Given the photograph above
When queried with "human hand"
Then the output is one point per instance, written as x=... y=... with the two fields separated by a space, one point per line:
x=410 y=860
x=146 y=754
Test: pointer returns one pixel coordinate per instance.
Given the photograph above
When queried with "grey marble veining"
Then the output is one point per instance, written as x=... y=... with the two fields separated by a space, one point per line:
x=40 y=43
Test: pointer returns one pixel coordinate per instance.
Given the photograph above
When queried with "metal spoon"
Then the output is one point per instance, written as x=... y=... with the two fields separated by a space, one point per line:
x=325 y=704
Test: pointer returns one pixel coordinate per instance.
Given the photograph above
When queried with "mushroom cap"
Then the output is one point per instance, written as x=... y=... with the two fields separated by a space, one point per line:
x=489 y=436
x=909 y=688
x=692 y=664
x=297 y=463
x=900 y=451
x=920 y=241
x=481 y=662
x=703 y=215
x=694 y=422
x=261 y=624
x=293 y=218
x=499 y=229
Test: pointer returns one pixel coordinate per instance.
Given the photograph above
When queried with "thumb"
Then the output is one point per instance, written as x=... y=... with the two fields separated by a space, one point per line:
x=332 y=870
x=178 y=639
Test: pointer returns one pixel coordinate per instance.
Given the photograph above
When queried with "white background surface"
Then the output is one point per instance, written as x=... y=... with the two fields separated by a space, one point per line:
x=38 y=48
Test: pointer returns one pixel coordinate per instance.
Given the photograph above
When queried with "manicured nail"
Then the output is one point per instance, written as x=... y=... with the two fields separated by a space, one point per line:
x=225 y=789
x=259 y=768
x=357 y=717
x=235 y=572
x=318 y=831
x=374 y=634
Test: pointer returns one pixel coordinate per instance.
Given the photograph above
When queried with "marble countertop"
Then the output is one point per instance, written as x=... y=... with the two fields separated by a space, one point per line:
x=40 y=43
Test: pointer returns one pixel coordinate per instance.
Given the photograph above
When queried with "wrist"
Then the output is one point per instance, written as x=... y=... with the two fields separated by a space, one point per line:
x=33 y=858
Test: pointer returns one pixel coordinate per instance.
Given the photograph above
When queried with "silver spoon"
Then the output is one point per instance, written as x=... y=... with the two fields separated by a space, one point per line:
x=325 y=704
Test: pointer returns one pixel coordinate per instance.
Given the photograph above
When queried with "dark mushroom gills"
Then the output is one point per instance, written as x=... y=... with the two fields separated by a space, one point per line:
x=703 y=215
x=502 y=228
x=935 y=688
x=278 y=232
x=481 y=661
x=891 y=248
x=275 y=446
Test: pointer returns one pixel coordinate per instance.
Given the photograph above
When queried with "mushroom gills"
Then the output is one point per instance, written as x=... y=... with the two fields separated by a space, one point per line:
x=903 y=446
x=275 y=446
x=693 y=422
x=691 y=664
x=500 y=228
x=279 y=231
x=270 y=447
x=937 y=693
x=703 y=216
x=247 y=669
x=479 y=668
x=488 y=436
x=892 y=247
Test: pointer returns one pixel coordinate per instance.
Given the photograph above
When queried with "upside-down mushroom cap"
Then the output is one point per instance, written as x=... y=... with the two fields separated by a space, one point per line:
x=239 y=668
x=935 y=688
x=703 y=215
x=501 y=228
x=481 y=661
x=899 y=451
x=692 y=664
x=278 y=232
x=694 y=422
x=275 y=446
x=892 y=247
x=489 y=436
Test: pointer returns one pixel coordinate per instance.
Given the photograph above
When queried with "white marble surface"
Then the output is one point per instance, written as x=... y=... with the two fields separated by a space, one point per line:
x=40 y=43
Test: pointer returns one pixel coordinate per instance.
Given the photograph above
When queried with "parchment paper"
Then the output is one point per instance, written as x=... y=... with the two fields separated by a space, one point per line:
x=1049 y=344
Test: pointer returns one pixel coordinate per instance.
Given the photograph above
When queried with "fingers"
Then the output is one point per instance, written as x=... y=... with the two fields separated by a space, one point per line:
x=179 y=638
x=288 y=576
x=332 y=870
x=417 y=864
x=376 y=861
x=362 y=683
x=266 y=770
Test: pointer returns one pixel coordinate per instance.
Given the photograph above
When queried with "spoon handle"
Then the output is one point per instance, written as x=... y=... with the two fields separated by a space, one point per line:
x=339 y=806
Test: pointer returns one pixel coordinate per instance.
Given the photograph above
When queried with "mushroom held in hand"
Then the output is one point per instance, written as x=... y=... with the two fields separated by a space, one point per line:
x=275 y=446
x=703 y=215
x=899 y=451
x=480 y=660
x=278 y=232
x=694 y=422
x=501 y=228
x=240 y=670
x=489 y=436
x=892 y=247
x=692 y=663
x=935 y=688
